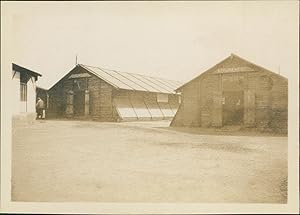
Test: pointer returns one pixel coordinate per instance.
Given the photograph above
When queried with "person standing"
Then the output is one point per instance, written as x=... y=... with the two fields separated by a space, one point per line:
x=40 y=108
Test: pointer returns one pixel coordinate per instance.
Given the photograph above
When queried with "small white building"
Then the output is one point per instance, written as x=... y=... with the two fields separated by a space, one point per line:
x=24 y=93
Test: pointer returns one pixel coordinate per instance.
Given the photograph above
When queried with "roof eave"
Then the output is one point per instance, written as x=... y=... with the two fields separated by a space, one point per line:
x=258 y=66
x=23 y=69
x=42 y=88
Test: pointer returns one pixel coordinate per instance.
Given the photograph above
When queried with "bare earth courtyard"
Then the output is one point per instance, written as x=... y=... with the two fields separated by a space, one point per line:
x=144 y=162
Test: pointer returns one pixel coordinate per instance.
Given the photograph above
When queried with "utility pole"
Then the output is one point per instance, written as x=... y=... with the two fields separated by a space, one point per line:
x=76 y=61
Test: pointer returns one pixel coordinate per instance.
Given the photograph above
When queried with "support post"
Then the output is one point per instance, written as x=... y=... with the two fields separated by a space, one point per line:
x=249 y=108
x=47 y=101
x=86 y=103
x=69 y=108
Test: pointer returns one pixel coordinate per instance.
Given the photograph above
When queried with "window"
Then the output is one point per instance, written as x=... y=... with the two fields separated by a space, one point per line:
x=23 y=92
x=179 y=99
x=162 y=97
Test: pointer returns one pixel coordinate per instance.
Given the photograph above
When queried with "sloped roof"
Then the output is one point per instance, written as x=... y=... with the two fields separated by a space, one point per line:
x=18 y=68
x=42 y=88
x=232 y=70
x=131 y=81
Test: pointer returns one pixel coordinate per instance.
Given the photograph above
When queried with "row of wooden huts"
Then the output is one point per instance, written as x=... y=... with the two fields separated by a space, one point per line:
x=233 y=92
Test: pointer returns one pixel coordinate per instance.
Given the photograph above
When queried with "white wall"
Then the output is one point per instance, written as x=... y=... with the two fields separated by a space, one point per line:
x=17 y=105
x=23 y=106
x=15 y=93
x=31 y=95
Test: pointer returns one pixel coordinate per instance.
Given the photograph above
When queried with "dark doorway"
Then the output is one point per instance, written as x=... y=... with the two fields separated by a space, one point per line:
x=79 y=103
x=233 y=107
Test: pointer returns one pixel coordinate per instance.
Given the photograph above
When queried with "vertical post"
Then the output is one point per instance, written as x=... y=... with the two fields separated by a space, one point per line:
x=217 y=108
x=217 y=117
x=69 y=108
x=47 y=100
x=249 y=108
x=86 y=103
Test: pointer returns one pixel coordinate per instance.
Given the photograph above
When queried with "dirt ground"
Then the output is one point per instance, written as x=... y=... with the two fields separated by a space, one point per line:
x=144 y=162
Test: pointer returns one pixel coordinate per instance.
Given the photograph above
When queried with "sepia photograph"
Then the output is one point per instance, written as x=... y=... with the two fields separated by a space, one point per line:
x=177 y=107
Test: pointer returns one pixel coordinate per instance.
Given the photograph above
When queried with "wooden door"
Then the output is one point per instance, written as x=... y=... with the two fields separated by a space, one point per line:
x=233 y=107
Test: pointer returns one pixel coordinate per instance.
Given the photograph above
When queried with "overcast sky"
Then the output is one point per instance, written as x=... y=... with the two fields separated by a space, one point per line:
x=174 y=40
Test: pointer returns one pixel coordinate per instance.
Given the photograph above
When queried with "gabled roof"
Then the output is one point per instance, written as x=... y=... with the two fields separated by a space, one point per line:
x=131 y=81
x=232 y=70
x=18 y=68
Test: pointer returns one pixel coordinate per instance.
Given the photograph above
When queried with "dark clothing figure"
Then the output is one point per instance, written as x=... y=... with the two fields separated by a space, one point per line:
x=40 y=108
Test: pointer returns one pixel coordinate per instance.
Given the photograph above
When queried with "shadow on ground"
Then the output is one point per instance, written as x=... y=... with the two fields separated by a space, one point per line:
x=228 y=131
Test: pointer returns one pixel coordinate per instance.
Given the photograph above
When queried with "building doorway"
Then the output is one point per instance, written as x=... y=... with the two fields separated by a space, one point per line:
x=79 y=87
x=79 y=103
x=233 y=107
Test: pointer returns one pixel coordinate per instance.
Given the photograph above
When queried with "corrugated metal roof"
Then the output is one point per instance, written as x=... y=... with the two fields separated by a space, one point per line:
x=109 y=78
x=130 y=81
x=141 y=82
x=124 y=78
